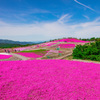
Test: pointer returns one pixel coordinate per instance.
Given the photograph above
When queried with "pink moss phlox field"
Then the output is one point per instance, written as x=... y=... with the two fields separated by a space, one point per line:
x=47 y=44
x=71 y=40
x=42 y=54
x=42 y=45
x=5 y=56
x=31 y=55
x=49 y=80
x=50 y=44
x=22 y=48
x=67 y=45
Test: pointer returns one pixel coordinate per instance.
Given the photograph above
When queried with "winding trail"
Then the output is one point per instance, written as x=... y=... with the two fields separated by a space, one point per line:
x=86 y=61
x=62 y=57
x=20 y=56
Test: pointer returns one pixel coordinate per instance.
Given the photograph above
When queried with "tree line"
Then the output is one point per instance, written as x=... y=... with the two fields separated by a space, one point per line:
x=7 y=45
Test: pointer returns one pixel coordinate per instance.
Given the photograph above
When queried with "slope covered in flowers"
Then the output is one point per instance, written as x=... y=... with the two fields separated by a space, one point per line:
x=5 y=56
x=67 y=45
x=49 y=80
x=22 y=48
x=71 y=40
x=31 y=55
x=47 y=44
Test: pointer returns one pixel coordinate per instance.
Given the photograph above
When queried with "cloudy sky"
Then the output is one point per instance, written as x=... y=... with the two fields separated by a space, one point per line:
x=37 y=20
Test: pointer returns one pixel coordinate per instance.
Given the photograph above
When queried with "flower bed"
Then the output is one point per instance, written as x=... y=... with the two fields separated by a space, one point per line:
x=42 y=45
x=67 y=45
x=5 y=56
x=31 y=55
x=22 y=48
x=71 y=40
x=47 y=44
x=49 y=80
x=50 y=44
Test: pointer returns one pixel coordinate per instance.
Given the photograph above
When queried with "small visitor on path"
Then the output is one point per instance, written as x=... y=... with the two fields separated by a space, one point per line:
x=5 y=50
x=8 y=51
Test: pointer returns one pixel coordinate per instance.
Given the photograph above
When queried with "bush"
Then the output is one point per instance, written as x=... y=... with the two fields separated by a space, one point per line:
x=87 y=51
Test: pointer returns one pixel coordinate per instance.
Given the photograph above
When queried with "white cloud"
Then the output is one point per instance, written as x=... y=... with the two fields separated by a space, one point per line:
x=86 y=17
x=34 y=11
x=84 y=5
x=3 y=23
x=49 y=30
x=64 y=18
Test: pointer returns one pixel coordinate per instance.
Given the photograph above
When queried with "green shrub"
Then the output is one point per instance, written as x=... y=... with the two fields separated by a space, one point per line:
x=87 y=51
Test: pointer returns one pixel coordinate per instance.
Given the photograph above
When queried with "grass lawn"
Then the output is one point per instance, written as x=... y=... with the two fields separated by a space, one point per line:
x=39 y=50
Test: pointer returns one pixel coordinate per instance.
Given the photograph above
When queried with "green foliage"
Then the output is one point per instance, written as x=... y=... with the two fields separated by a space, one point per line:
x=91 y=39
x=8 y=45
x=87 y=51
x=39 y=50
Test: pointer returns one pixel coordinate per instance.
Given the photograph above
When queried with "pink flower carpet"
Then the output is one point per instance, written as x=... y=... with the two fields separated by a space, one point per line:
x=49 y=80
x=67 y=45
x=5 y=56
x=71 y=40
x=31 y=55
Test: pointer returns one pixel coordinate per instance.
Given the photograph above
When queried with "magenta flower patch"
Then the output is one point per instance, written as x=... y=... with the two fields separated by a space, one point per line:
x=49 y=80
x=31 y=55
x=50 y=44
x=5 y=56
x=71 y=40
x=67 y=45
x=47 y=44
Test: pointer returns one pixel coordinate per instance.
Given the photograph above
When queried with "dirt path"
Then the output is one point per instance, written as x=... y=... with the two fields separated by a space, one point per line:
x=14 y=58
x=19 y=56
x=56 y=56
x=62 y=57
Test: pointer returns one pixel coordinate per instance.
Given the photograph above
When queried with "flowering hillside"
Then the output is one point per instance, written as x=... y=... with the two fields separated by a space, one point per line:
x=71 y=40
x=50 y=44
x=67 y=45
x=47 y=44
x=31 y=55
x=22 y=48
x=49 y=80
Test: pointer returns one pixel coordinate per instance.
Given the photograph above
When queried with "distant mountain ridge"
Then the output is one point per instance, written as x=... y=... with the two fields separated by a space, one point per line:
x=18 y=42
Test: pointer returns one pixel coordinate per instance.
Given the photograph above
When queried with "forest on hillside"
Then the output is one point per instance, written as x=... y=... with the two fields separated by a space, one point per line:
x=8 y=45
x=91 y=39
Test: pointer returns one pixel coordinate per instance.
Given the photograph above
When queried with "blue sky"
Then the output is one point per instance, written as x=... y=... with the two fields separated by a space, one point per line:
x=36 y=20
